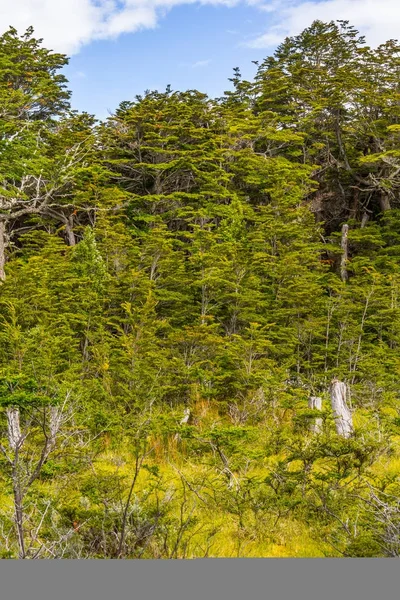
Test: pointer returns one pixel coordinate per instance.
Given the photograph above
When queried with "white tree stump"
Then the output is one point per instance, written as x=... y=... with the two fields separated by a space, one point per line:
x=186 y=416
x=184 y=421
x=343 y=417
x=315 y=403
x=14 y=428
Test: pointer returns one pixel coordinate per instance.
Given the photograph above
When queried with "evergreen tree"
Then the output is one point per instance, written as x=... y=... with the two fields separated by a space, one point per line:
x=188 y=283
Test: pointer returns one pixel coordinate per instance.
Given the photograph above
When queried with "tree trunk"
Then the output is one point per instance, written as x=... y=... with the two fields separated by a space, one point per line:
x=343 y=263
x=69 y=228
x=315 y=403
x=14 y=428
x=343 y=418
x=19 y=511
x=14 y=440
x=55 y=421
x=186 y=417
x=2 y=250
x=25 y=468
x=183 y=421
x=364 y=220
x=384 y=202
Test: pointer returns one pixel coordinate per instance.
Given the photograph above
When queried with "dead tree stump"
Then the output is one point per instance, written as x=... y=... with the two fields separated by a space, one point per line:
x=343 y=417
x=14 y=428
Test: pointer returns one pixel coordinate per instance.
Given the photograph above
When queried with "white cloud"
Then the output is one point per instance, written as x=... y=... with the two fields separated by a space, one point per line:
x=200 y=63
x=196 y=65
x=67 y=25
x=378 y=20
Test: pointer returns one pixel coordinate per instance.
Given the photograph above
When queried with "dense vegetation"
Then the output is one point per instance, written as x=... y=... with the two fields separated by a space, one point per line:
x=176 y=283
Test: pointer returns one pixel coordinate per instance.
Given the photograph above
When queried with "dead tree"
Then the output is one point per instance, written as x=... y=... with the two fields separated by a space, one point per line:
x=345 y=253
x=16 y=440
x=2 y=250
x=184 y=421
x=25 y=465
x=315 y=403
x=186 y=416
x=385 y=510
x=342 y=414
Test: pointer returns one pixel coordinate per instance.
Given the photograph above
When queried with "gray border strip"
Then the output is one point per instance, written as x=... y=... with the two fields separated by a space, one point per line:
x=241 y=579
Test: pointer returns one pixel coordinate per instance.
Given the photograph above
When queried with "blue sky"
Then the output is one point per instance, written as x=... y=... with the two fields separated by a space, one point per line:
x=119 y=48
x=192 y=47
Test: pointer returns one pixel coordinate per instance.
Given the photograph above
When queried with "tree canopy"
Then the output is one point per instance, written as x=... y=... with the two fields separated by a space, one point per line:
x=184 y=288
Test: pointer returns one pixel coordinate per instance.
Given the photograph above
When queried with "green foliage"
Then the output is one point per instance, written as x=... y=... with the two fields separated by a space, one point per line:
x=172 y=295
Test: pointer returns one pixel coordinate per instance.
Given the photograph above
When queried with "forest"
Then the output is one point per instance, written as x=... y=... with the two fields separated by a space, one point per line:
x=200 y=310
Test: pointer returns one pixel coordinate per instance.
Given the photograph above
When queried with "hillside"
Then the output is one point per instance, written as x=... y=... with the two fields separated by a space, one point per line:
x=200 y=310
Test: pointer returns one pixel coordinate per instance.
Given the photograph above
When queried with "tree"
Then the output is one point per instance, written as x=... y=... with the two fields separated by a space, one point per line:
x=327 y=84
x=32 y=95
x=188 y=284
